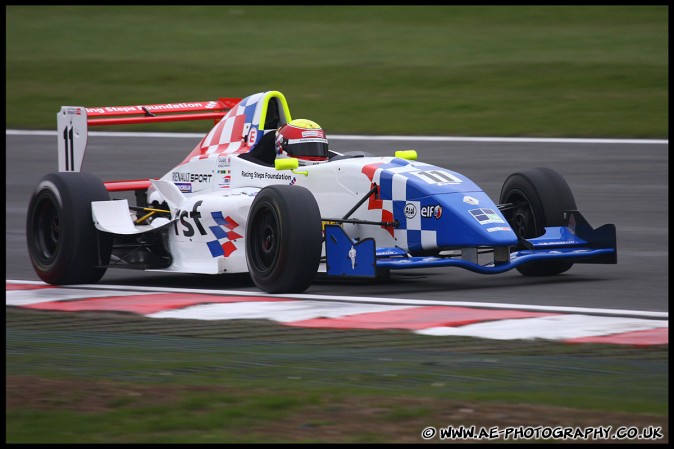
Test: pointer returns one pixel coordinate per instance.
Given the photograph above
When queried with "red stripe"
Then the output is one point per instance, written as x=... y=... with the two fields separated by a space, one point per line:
x=144 y=304
x=217 y=131
x=370 y=169
x=157 y=119
x=387 y=217
x=648 y=337
x=121 y=186
x=10 y=287
x=375 y=201
x=194 y=106
x=237 y=128
x=417 y=318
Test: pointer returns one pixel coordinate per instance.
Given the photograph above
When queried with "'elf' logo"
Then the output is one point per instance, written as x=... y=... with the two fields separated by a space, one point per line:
x=434 y=211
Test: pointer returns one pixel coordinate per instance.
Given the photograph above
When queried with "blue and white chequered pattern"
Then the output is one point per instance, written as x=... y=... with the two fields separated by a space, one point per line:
x=412 y=233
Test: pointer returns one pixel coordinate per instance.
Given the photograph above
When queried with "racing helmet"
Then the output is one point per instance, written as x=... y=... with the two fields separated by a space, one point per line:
x=302 y=139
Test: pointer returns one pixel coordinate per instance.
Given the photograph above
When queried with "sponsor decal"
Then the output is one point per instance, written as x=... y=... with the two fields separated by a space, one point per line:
x=262 y=176
x=312 y=134
x=383 y=252
x=73 y=111
x=387 y=252
x=224 y=161
x=190 y=177
x=252 y=137
x=486 y=216
x=189 y=220
x=307 y=140
x=410 y=211
x=572 y=224
x=498 y=228
x=470 y=200
x=185 y=187
x=434 y=211
x=438 y=177
x=153 y=107
x=352 y=256
x=226 y=182
x=172 y=106
x=225 y=235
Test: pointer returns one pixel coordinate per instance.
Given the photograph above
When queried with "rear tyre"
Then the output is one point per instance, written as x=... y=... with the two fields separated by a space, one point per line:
x=543 y=195
x=64 y=245
x=283 y=239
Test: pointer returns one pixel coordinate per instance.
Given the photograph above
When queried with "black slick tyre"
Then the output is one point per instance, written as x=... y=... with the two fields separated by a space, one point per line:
x=283 y=239
x=542 y=196
x=63 y=244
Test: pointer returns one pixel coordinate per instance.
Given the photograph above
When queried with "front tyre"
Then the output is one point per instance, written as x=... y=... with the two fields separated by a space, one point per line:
x=541 y=196
x=63 y=244
x=283 y=239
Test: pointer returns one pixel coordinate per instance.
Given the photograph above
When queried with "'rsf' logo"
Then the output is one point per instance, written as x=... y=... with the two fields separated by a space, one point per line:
x=434 y=211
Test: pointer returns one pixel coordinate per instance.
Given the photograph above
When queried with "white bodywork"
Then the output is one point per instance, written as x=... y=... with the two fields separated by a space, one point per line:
x=210 y=193
x=194 y=226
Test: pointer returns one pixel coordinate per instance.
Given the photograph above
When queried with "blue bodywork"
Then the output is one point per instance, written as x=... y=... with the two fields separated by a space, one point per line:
x=438 y=208
x=575 y=242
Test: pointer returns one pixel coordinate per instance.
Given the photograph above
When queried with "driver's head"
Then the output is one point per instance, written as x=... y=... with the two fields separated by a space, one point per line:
x=302 y=139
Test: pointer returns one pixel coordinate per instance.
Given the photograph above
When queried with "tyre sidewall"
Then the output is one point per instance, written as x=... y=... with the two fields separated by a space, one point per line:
x=546 y=191
x=299 y=239
x=76 y=256
x=548 y=195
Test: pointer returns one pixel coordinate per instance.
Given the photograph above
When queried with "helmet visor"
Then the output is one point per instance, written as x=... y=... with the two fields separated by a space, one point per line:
x=308 y=148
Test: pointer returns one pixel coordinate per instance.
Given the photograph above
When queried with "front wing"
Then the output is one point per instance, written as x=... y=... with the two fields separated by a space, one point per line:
x=576 y=241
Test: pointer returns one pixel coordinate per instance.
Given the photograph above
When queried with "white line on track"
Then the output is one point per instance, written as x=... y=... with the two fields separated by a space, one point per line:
x=18 y=132
x=365 y=299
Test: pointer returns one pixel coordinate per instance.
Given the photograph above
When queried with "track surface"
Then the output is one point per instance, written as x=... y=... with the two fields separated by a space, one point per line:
x=621 y=183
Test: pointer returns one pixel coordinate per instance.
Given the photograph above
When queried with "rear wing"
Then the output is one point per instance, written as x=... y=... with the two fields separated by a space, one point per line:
x=73 y=122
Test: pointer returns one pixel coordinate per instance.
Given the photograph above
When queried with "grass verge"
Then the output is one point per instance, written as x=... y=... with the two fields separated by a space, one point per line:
x=593 y=71
x=120 y=378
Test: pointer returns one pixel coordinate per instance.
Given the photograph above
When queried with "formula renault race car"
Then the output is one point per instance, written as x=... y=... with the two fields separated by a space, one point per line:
x=231 y=206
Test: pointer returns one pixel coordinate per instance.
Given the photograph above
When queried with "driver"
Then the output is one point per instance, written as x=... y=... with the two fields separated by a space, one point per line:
x=303 y=140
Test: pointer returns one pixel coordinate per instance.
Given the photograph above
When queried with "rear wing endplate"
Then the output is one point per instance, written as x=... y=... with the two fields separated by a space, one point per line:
x=73 y=122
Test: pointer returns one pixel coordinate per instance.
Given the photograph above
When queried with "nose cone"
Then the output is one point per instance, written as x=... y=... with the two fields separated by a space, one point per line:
x=448 y=221
x=437 y=208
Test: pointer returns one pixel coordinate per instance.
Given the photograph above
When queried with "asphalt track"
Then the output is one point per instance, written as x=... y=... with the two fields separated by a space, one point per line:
x=624 y=183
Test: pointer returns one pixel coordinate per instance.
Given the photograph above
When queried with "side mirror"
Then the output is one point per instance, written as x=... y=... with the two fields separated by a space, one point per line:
x=286 y=164
x=410 y=155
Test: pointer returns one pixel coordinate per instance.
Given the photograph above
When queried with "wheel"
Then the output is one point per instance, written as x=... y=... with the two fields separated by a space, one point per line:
x=283 y=239
x=541 y=196
x=64 y=245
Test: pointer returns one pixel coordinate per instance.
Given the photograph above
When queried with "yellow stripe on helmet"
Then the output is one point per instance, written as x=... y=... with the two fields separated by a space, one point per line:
x=304 y=123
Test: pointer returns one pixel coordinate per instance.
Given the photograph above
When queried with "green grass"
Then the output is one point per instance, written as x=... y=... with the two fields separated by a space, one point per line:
x=446 y=70
x=120 y=378
x=243 y=364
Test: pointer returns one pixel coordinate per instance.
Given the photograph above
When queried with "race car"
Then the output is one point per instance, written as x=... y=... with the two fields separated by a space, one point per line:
x=233 y=206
